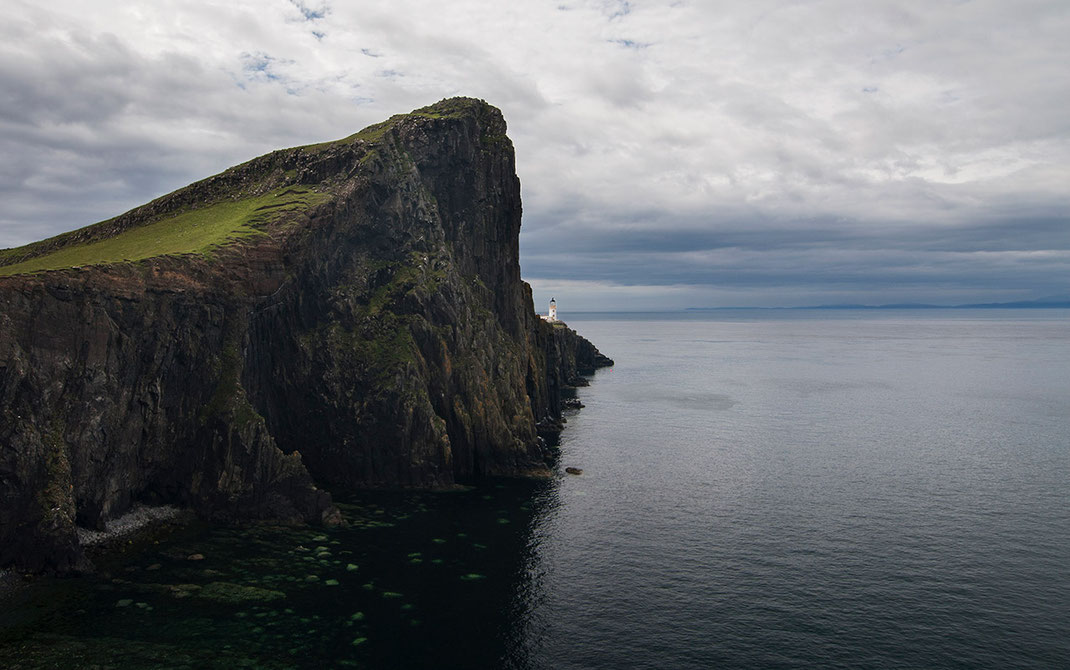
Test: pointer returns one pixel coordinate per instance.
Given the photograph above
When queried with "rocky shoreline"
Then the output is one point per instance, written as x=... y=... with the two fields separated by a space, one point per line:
x=141 y=519
x=138 y=518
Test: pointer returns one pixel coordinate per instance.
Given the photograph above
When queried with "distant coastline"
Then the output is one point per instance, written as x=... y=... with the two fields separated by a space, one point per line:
x=1060 y=303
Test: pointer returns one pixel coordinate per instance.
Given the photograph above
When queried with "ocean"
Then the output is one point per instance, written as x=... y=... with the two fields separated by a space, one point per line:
x=760 y=489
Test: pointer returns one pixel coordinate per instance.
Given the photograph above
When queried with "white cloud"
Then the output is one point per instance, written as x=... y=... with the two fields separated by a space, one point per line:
x=628 y=117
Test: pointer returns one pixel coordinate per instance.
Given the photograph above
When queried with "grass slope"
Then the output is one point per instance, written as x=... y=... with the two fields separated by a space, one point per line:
x=204 y=229
x=194 y=231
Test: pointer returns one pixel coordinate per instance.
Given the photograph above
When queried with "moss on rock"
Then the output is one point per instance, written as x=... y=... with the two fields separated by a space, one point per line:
x=237 y=594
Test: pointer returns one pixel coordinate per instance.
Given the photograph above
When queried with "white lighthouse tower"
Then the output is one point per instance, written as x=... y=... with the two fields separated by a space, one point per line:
x=553 y=311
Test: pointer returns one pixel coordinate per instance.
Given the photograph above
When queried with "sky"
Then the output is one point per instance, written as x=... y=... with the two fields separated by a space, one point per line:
x=672 y=154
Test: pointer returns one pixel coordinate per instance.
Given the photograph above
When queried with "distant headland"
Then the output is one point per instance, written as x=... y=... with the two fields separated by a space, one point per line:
x=1044 y=303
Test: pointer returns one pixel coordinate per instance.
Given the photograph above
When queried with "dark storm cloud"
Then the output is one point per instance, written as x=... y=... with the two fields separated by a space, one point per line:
x=815 y=268
x=1018 y=234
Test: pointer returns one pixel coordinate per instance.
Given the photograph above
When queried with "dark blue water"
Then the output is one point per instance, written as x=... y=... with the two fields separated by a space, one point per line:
x=795 y=489
x=760 y=489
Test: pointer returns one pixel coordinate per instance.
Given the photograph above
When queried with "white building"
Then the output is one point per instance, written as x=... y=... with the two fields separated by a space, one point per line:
x=552 y=317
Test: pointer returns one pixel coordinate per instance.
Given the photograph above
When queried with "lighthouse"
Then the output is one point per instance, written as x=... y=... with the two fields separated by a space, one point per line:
x=553 y=311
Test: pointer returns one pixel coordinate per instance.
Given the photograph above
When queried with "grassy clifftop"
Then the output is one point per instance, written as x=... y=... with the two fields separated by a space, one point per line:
x=196 y=231
x=234 y=205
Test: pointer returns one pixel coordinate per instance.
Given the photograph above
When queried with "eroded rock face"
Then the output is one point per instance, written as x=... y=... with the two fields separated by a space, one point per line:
x=380 y=338
x=115 y=388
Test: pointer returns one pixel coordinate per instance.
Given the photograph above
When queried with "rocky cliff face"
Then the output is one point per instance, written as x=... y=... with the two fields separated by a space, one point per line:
x=375 y=333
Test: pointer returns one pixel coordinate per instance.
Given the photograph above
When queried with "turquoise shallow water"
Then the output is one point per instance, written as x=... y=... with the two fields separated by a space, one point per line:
x=760 y=489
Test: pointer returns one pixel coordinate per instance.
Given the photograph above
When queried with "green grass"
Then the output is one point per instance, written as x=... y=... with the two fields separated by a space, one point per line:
x=195 y=231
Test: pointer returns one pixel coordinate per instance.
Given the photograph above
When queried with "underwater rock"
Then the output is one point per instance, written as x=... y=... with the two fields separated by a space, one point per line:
x=179 y=590
x=226 y=592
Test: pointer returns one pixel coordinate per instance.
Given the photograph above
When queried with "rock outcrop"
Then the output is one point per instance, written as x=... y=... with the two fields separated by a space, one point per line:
x=373 y=330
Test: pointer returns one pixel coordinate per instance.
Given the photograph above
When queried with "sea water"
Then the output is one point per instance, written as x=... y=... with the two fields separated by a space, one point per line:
x=760 y=489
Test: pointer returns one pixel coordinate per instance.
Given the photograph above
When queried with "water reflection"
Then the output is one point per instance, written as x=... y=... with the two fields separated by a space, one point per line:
x=529 y=594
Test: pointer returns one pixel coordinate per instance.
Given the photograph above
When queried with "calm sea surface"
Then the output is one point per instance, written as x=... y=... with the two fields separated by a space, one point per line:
x=760 y=489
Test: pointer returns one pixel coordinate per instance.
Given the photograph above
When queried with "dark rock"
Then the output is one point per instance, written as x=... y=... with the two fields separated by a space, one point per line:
x=236 y=594
x=333 y=517
x=574 y=471
x=380 y=337
x=550 y=427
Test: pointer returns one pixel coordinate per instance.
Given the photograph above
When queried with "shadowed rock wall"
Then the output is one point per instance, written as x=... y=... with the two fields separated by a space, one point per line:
x=381 y=338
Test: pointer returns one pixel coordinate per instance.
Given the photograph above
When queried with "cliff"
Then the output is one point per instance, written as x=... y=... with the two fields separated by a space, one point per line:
x=348 y=313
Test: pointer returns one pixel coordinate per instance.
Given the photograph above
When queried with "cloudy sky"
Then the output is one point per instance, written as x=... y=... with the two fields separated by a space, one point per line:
x=672 y=153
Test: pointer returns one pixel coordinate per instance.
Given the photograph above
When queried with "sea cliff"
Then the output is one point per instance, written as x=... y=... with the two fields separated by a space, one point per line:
x=349 y=313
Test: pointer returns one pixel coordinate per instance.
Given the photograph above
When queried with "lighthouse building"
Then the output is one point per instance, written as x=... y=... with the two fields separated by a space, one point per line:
x=552 y=316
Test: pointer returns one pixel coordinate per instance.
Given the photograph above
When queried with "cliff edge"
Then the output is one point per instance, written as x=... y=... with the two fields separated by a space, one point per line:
x=348 y=313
